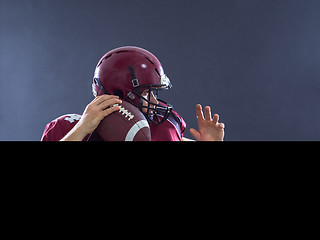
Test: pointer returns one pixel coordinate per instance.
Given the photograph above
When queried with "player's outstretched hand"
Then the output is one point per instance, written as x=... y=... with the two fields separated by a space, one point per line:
x=93 y=114
x=209 y=129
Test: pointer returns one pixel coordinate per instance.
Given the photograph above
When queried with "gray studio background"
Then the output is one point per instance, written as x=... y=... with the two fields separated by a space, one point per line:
x=255 y=62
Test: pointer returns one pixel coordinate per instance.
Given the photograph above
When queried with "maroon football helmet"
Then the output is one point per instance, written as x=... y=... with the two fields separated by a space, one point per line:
x=127 y=72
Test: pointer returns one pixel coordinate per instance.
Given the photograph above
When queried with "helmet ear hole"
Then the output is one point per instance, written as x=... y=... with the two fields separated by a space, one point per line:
x=118 y=93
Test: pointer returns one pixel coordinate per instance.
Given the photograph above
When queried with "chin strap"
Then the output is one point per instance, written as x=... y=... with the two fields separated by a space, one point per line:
x=134 y=80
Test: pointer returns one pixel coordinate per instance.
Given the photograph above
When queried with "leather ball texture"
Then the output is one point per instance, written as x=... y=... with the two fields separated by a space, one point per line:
x=127 y=124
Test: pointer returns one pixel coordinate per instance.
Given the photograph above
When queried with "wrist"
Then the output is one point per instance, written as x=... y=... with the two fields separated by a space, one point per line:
x=77 y=133
x=81 y=129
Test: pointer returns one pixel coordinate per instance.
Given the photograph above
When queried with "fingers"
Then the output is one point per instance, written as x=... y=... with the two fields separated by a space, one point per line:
x=109 y=102
x=102 y=106
x=199 y=112
x=215 y=118
x=207 y=113
x=108 y=106
x=100 y=99
x=110 y=110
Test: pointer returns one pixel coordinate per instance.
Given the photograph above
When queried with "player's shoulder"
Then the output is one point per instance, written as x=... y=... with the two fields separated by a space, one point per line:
x=66 y=121
x=68 y=118
x=59 y=127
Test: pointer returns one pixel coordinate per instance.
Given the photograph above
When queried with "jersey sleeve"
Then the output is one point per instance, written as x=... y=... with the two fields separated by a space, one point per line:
x=52 y=132
x=58 y=128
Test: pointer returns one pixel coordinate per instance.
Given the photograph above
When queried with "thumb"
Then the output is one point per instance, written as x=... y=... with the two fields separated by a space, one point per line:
x=195 y=133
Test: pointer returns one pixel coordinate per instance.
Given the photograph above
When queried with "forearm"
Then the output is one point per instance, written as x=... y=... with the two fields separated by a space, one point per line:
x=75 y=134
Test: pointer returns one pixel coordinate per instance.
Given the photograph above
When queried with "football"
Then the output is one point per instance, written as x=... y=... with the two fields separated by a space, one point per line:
x=127 y=124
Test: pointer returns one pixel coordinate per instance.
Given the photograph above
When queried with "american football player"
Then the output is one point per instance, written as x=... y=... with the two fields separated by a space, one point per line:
x=135 y=75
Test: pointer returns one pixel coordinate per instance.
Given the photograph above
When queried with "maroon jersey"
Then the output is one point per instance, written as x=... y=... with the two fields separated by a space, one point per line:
x=171 y=130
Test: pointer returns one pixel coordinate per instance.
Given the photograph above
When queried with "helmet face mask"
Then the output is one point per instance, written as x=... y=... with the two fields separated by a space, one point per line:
x=128 y=72
x=156 y=112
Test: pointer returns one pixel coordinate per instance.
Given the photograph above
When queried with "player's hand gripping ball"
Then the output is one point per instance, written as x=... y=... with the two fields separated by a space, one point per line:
x=127 y=124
